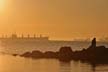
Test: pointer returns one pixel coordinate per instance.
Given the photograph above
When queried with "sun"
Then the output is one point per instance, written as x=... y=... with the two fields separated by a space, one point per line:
x=2 y=5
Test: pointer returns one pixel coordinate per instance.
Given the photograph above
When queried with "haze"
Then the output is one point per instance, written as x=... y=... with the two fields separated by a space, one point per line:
x=59 y=19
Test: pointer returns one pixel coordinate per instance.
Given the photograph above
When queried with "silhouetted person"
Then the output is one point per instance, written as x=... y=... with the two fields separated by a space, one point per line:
x=93 y=45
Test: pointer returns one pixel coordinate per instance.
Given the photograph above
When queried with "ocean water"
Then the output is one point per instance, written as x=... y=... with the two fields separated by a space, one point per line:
x=9 y=63
x=21 y=47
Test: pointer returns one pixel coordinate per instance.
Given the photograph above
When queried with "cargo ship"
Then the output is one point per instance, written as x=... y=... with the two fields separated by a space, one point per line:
x=28 y=39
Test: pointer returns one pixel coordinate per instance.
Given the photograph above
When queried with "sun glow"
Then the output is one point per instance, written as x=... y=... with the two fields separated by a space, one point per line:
x=2 y=5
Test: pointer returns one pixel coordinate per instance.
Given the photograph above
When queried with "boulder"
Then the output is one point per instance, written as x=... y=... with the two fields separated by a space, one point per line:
x=65 y=53
x=50 y=54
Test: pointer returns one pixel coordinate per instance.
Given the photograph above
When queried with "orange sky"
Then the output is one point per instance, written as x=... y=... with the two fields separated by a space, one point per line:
x=59 y=19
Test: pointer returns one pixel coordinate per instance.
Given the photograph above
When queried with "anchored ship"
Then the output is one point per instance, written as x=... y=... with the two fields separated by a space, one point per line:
x=20 y=44
x=15 y=39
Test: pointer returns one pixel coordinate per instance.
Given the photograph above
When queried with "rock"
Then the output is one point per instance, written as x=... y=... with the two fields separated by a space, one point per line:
x=37 y=54
x=94 y=53
x=26 y=54
x=14 y=54
x=65 y=53
x=50 y=54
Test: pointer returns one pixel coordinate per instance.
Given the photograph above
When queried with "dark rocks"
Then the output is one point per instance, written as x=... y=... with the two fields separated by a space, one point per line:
x=26 y=54
x=50 y=54
x=37 y=54
x=33 y=54
x=95 y=54
x=14 y=54
x=65 y=53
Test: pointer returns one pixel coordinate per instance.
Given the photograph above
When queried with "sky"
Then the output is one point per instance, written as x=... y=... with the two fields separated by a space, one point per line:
x=59 y=19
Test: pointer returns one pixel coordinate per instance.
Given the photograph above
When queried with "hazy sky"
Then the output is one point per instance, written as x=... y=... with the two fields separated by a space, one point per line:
x=59 y=19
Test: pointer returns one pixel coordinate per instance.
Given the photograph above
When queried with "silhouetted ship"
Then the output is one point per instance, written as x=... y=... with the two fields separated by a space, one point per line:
x=14 y=38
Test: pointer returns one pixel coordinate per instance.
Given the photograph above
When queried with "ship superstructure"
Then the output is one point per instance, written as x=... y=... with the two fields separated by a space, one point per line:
x=15 y=38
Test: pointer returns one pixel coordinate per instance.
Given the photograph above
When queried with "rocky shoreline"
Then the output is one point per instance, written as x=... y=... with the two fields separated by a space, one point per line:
x=94 y=54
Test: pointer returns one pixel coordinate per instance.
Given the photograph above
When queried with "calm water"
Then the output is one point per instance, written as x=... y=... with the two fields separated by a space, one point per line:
x=21 y=47
x=10 y=63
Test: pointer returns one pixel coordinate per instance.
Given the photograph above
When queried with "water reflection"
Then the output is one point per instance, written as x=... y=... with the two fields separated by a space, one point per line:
x=96 y=67
x=18 y=64
x=65 y=66
x=76 y=66
x=99 y=67
x=93 y=67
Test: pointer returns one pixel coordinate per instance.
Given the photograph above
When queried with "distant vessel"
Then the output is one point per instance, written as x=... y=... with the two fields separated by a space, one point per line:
x=15 y=38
